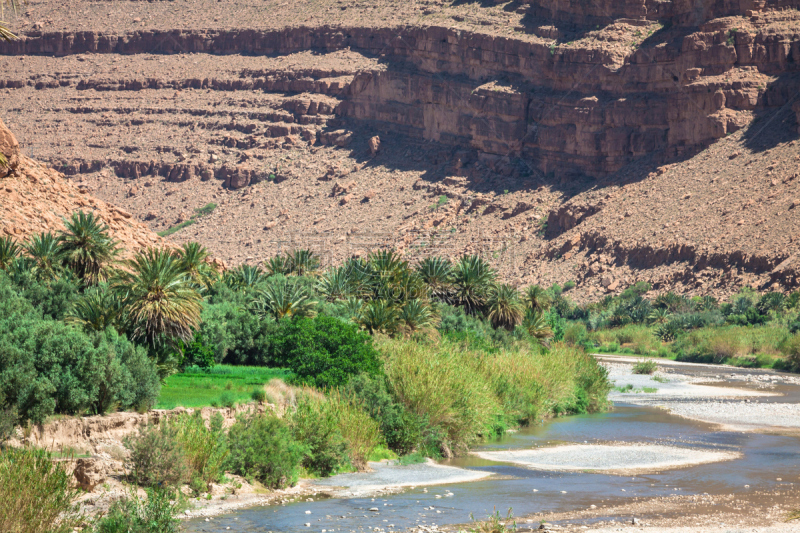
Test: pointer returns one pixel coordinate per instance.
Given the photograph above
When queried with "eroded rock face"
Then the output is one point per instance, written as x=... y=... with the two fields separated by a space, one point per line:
x=9 y=147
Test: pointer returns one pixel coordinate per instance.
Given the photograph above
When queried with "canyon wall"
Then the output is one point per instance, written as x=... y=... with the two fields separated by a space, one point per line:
x=569 y=109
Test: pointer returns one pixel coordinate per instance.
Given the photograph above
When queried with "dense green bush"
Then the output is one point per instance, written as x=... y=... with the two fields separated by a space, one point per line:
x=238 y=335
x=196 y=352
x=262 y=447
x=155 y=513
x=48 y=367
x=36 y=493
x=322 y=351
x=315 y=424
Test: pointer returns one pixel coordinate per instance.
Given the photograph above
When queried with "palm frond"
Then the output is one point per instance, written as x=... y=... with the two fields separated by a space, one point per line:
x=86 y=247
x=281 y=299
x=505 y=308
x=160 y=300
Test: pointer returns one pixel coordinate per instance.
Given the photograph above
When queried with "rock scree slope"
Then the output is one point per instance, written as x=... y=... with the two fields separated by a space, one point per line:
x=602 y=143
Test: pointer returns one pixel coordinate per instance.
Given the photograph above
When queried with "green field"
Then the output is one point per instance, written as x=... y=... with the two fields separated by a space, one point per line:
x=222 y=385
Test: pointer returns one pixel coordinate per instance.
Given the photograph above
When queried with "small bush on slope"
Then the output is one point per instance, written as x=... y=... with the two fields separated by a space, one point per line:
x=262 y=448
x=153 y=514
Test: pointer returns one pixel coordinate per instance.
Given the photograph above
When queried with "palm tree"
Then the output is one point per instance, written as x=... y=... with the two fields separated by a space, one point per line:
x=6 y=35
x=379 y=316
x=537 y=325
x=437 y=273
x=351 y=308
x=277 y=265
x=505 y=308
x=87 y=247
x=302 y=263
x=659 y=316
x=473 y=279
x=159 y=299
x=283 y=299
x=96 y=310
x=193 y=260
x=416 y=315
x=46 y=253
x=335 y=284
x=386 y=263
x=244 y=277
x=537 y=299
x=9 y=250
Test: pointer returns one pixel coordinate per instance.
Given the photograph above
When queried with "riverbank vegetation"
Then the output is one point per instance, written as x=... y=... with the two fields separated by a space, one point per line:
x=376 y=356
x=749 y=329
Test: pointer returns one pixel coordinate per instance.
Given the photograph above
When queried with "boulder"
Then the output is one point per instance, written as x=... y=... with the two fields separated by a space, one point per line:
x=374 y=145
x=9 y=147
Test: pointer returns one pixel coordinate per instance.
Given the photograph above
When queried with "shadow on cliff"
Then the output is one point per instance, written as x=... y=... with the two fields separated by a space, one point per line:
x=776 y=122
x=477 y=172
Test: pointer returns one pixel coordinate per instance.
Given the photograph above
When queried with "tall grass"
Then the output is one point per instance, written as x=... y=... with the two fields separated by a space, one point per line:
x=203 y=444
x=36 y=494
x=361 y=432
x=719 y=344
x=336 y=430
x=465 y=392
x=439 y=383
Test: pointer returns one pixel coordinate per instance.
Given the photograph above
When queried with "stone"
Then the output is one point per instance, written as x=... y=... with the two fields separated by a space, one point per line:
x=374 y=145
x=606 y=281
x=89 y=472
x=9 y=147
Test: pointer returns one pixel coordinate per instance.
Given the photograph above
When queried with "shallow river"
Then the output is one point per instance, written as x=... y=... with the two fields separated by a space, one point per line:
x=764 y=459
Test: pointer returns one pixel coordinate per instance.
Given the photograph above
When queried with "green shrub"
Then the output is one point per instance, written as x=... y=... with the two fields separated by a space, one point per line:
x=36 y=494
x=645 y=367
x=401 y=428
x=197 y=352
x=323 y=352
x=315 y=424
x=259 y=395
x=153 y=514
x=791 y=348
x=157 y=456
x=226 y=399
x=48 y=367
x=238 y=336
x=575 y=334
x=204 y=446
x=262 y=447
x=361 y=433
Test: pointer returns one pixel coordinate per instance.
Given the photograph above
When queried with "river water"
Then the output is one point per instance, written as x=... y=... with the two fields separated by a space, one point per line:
x=764 y=459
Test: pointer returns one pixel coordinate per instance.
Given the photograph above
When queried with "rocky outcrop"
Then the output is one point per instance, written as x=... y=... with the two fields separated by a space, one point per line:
x=10 y=150
x=37 y=199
